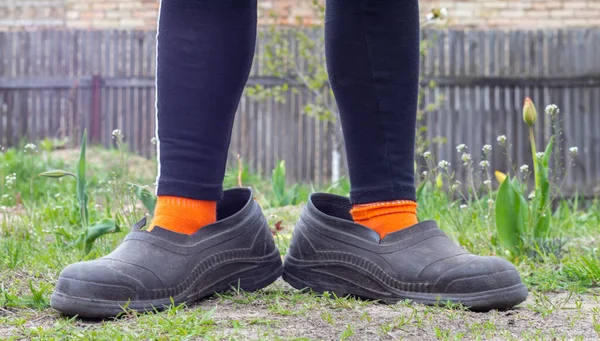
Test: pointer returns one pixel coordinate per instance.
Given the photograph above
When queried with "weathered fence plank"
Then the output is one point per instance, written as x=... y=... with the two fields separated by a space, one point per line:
x=56 y=83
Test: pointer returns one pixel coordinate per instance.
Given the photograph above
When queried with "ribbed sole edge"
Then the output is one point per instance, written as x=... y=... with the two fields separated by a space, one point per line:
x=305 y=278
x=261 y=276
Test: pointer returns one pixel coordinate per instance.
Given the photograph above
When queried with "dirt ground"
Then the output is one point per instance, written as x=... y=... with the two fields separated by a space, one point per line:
x=416 y=322
x=558 y=316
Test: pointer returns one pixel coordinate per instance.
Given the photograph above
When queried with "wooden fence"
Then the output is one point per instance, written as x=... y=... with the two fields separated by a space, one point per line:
x=56 y=83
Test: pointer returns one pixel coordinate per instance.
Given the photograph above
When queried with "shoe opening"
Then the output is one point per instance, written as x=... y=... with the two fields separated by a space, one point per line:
x=333 y=205
x=233 y=201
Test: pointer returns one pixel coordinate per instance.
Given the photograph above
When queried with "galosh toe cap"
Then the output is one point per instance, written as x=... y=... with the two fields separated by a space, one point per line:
x=480 y=275
x=94 y=280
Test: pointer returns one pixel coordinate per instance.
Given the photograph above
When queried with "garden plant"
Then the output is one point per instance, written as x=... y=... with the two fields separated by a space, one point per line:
x=47 y=223
x=59 y=206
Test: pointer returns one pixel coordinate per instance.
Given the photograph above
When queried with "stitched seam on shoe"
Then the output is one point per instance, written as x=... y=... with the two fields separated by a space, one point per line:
x=454 y=268
x=473 y=277
x=248 y=221
x=441 y=260
x=422 y=241
x=371 y=268
x=206 y=264
x=186 y=246
x=232 y=255
x=158 y=246
x=96 y=283
x=136 y=265
x=124 y=274
x=308 y=220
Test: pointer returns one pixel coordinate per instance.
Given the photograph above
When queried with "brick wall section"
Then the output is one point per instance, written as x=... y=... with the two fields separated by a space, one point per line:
x=287 y=12
x=30 y=13
x=519 y=13
x=141 y=14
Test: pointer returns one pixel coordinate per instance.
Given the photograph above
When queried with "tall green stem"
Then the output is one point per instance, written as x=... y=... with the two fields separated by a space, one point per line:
x=534 y=155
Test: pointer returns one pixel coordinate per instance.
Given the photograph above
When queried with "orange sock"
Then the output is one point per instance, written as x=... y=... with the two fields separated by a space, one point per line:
x=386 y=217
x=183 y=215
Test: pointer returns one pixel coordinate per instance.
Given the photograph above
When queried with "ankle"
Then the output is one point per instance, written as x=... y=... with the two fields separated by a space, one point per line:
x=183 y=215
x=386 y=217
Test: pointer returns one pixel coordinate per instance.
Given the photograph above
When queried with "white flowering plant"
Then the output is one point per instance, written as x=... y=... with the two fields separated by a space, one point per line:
x=524 y=220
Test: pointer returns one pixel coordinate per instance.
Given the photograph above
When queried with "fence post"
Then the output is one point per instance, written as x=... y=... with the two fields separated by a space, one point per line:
x=96 y=109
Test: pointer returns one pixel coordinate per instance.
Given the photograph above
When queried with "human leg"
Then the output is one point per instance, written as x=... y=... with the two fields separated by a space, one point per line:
x=371 y=245
x=372 y=50
x=205 y=49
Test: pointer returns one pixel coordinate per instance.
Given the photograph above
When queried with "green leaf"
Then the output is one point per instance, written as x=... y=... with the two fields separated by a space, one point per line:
x=420 y=189
x=58 y=173
x=512 y=214
x=292 y=195
x=146 y=197
x=82 y=197
x=516 y=185
x=278 y=183
x=548 y=152
x=282 y=196
x=542 y=208
x=99 y=229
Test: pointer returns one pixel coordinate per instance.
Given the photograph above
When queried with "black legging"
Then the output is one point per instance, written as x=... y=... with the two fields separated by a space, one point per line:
x=205 y=50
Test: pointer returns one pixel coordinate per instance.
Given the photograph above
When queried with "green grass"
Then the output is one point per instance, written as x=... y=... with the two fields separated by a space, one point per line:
x=39 y=224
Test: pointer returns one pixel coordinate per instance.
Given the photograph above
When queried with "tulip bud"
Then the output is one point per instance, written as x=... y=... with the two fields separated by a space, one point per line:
x=529 y=112
x=57 y=174
x=439 y=181
x=500 y=176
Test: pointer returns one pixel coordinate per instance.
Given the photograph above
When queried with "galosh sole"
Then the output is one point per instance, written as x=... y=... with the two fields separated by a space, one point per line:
x=249 y=279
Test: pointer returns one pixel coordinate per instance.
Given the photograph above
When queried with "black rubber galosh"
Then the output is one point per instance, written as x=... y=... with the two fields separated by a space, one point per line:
x=151 y=270
x=329 y=252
